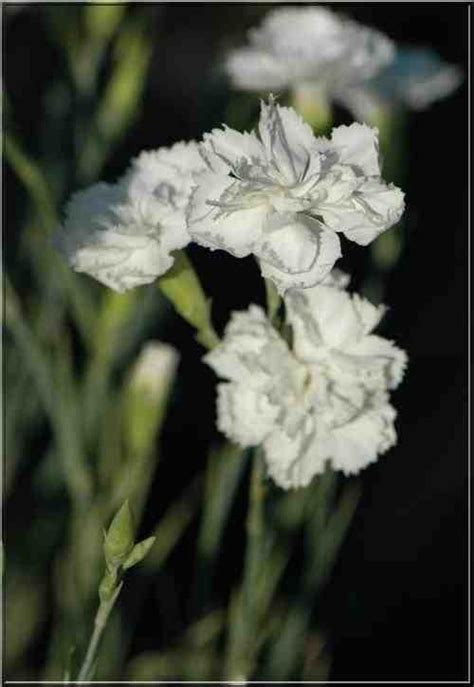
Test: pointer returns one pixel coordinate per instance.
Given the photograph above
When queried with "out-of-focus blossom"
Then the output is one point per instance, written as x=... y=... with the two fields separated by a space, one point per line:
x=324 y=57
x=283 y=194
x=146 y=395
x=123 y=234
x=311 y=46
x=154 y=370
x=415 y=79
x=325 y=399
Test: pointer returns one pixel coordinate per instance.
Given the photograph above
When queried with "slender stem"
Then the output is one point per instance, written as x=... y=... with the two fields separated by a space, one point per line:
x=252 y=570
x=100 y=623
x=223 y=472
x=313 y=105
x=255 y=529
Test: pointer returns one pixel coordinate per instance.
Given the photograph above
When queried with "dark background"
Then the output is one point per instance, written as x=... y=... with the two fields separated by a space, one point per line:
x=396 y=608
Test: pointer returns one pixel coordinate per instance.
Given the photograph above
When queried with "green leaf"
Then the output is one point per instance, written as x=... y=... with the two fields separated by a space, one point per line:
x=101 y=21
x=53 y=377
x=139 y=552
x=120 y=101
x=173 y=524
x=31 y=175
x=119 y=105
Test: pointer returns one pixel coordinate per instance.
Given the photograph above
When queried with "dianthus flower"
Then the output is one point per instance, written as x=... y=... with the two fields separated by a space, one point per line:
x=322 y=400
x=283 y=195
x=324 y=57
x=308 y=46
x=123 y=234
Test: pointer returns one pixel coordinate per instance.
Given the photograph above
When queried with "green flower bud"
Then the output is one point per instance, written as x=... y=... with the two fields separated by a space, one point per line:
x=119 y=538
x=139 y=552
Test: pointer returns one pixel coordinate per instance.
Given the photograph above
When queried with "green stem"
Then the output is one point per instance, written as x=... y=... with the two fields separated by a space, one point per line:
x=224 y=469
x=326 y=529
x=313 y=106
x=255 y=528
x=245 y=635
x=100 y=623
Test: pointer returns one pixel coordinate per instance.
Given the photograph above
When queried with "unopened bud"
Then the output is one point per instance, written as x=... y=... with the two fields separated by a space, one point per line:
x=147 y=394
x=119 y=538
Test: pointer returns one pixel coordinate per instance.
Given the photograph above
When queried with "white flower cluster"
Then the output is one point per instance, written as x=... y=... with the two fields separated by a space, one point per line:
x=315 y=51
x=324 y=399
x=279 y=193
x=283 y=195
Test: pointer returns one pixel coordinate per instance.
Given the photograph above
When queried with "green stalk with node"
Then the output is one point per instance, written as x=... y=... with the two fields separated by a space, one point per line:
x=120 y=553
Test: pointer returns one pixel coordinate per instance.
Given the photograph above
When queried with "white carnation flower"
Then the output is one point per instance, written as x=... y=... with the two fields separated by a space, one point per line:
x=283 y=195
x=122 y=234
x=325 y=399
x=308 y=46
x=323 y=56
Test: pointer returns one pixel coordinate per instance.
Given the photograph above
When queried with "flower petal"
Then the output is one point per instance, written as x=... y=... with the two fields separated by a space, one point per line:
x=381 y=206
x=245 y=416
x=381 y=353
x=419 y=77
x=293 y=459
x=286 y=138
x=231 y=147
x=251 y=69
x=215 y=223
x=357 y=145
x=288 y=243
x=316 y=243
x=166 y=173
x=253 y=353
x=323 y=316
x=366 y=212
x=356 y=445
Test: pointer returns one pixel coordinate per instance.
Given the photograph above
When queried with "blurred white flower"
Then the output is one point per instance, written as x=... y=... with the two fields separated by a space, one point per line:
x=324 y=57
x=416 y=78
x=122 y=234
x=310 y=46
x=146 y=393
x=282 y=194
x=325 y=399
